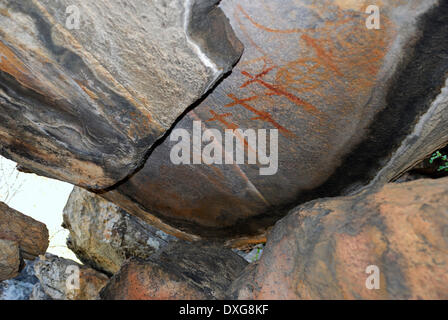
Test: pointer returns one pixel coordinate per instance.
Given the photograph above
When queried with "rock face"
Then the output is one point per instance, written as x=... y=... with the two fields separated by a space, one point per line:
x=428 y=168
x=22 y=286
x=353 y=107
x=181 y=271
x=21 y=237
x=103 y=236
x=87 y=88
x=26 y=286
x=38 y=293
x=9 y=259
x=325 y=249
x=253 y=255
x=64 y=279
x=50 y=277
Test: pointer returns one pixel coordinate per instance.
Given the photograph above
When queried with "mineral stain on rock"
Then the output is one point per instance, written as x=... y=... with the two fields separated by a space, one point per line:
x=322 y=249
x=96 y=103
x=86 y=105
x=346 y=100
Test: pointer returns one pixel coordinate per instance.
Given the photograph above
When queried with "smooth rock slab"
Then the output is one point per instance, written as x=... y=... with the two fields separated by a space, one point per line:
x=322 y=249
x=353 y=107
x=84 y=102
x=103 y=236
x=179 y=272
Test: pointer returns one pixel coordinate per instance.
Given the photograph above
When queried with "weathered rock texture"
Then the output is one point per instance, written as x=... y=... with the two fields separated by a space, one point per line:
x=38 y=293
x=21 y=237
x=321 y=250
x=31 y=235
x=427 y=168
x=64 y=279
x=181 y=271
x=21 y=287
x=9 y=259
x=103 y=236
x=26 y=286
x=353 y=107
x=85 y=102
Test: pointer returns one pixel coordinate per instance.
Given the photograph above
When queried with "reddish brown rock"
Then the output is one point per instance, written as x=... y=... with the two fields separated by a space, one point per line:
x=181 y=271
x=31 y=235
x=9 y=259
x=322 y=249
x=21 y=237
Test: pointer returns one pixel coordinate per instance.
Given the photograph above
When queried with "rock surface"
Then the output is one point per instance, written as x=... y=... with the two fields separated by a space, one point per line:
x=353 y=107
x=22 y=286
x=31 y=235
x=427 y=168
x=180 y=271
x=26 y=286
x=38 y=293
x=9 y=259
x=252 y=255
x=21 y=237
x=103 y=236
x=86 y=88
x=63 y=279
x=322 y=249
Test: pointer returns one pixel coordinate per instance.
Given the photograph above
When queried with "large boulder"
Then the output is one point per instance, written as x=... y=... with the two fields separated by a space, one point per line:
x=21 y=237
x=86 y=88
x=386 y=244
x=181 y=271
x=103 y=236
x=353 y=107
x=63 y=279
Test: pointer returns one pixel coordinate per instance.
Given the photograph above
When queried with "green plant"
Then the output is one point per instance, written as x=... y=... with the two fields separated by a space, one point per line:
x=257 y=256
x=442 y=157
x=259 y=249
